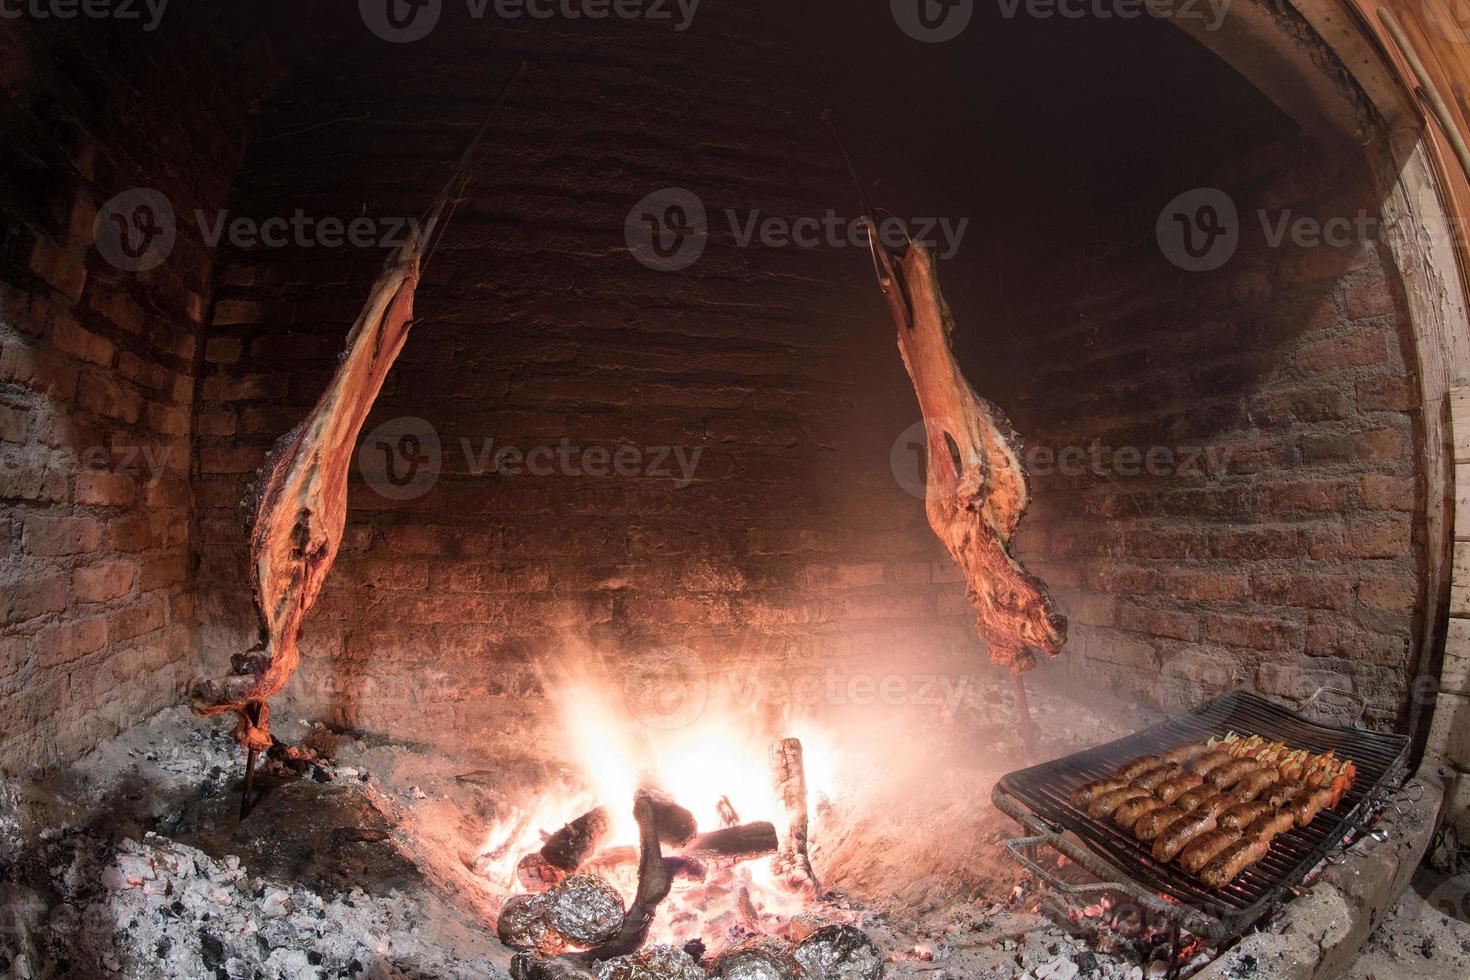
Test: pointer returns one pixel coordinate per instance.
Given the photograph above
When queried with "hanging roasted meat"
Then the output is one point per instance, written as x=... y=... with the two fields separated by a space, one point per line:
x=977 y=490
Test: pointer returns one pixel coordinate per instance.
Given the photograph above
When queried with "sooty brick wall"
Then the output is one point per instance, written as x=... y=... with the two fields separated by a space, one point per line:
x=97 y=366
x=1276 y=541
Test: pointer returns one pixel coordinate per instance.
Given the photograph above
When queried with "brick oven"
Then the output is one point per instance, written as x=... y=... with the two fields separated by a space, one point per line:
x=647 y=480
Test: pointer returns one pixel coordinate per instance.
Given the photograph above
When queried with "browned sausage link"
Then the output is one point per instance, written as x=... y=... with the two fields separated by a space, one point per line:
x=1271 y=824
x=1150 y=825
x=1151 y=779
x=1183 y=753
x=1087 y=792
x=1239 y=816
x=1178 y=834
x=1210 y=761
x=1177 y=785
x=1104 y=805
x=1256 y=783
x=1127 y=815
x=1205 y=847
x=1231 y=773
x=1219 y=803
x=1284 y=793
x=1233 y=860
x=1136 y=768
x=1196 y=796
x=1308 y=803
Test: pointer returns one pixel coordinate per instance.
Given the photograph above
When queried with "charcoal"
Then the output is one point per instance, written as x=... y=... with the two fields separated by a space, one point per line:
x=839 y=953
x=651 y=963
x=525 y=966
x=536 y=874
x=758 y=959
x=586 y=910
x=525 y=923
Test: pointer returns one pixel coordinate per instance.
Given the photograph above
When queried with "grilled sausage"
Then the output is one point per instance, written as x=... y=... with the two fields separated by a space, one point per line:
x=1210 y=761
x=1253 y=784
x=1132 y=770
x=1177 y=785
x=1240 y=815
x=1148 y=826
x=1175 y=837
x=1183 y=753
x=1193 y=798
x=1127 y=815
x=1271 y=824
x=1151 y=779
x=1219 y=803
x=1284 y=793
x=1087 y=792
x=1104 y=805
x=1233 y=772
x=1204 y=848
x=1307 y=803
x=1233 y=860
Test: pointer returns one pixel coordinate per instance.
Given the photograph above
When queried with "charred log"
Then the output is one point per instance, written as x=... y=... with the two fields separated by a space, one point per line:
x=743 y=843
x=788 y=769
x=571 y=845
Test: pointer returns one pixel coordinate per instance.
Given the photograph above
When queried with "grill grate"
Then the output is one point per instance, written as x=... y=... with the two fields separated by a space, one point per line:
x=1044 y=790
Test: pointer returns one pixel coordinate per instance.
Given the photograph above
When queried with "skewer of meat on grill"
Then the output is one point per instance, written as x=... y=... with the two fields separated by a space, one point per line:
x=1284 y=793
x=1177 y=785
x=1204 y=848
x=1309 y=803
x=1129 y=813
x=1229 y=863
x=1272 y=824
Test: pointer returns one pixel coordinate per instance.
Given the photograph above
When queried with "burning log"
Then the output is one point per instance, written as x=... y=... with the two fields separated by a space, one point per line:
x=654 y=883
x=839 y=953
x=299 y=506
x=743 y=843
x=536 y=874
x=788 y=767
x=569 y=846
x=676 y=825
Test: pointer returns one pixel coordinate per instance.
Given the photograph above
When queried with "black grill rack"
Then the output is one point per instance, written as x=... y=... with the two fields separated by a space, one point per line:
x=1037 y=798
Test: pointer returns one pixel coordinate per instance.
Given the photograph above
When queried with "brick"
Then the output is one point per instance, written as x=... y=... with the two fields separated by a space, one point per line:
x=1215 y=672
x=162 y=573
x=114 y=304
x=1255 y=543
x=1157 y=622
x=38 y=370
x=60 y=267
x=1122 y=579
x=131 y=367
x=12 y=656
x=102 y=489
x=65 y=643
x=71 y=338
x=56 y=536
x=1368 y=444
x=1316 y=404
x=1370 y=299
x=1359 y=539
x=218 y=388
x=26 y=479
x=103 y=581
x=1360 y=349
x=1206 y=586
x=27 y=596
x=242 y=459
x=1110 y=646
x=1400 y=595
x=1350 y=642
x=844 y=576
x=12 y=424
x=104 y=396
x=1307 y=495
x=1378 y=492
x=215 y=423
x=166 y=420
x=1253 y=632
x=1302 y=590
x=1387 y=393
x=223 y=350
x=137 y=621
